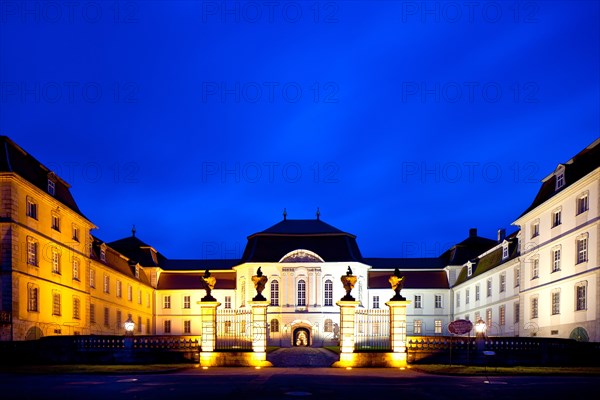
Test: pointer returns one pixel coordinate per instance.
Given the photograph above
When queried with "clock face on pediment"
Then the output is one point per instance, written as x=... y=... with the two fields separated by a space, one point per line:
x=301 y=255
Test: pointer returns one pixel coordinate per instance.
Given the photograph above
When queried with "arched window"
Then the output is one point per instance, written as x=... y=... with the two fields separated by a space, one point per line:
x=274 y=325
x=301 y=292
x=360 y=293
x=328 y=294
x=275 y=293
x=328 y=326
x=243 y=292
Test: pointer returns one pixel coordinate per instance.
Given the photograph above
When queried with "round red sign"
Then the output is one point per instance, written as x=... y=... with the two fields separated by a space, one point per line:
x=460 y=326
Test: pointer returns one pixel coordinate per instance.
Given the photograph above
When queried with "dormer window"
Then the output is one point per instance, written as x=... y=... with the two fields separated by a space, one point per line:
x=137 y=271
x=469 y=269
x=560 y=177
x=103 y=253
x=51 y=187
x=504 y=250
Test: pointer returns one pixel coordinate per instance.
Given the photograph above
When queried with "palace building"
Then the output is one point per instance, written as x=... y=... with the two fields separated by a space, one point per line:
x=56 y=278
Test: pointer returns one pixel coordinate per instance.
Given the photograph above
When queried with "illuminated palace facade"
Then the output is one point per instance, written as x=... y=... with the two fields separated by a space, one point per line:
x=58 y=279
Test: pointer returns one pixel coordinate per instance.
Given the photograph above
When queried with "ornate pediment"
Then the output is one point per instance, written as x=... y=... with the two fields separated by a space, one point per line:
x=301 y=255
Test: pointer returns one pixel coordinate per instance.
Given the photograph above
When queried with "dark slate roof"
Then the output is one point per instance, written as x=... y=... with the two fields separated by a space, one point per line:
x=14 y=159
x=191 y=280
x=468 y=249
x=412 y=280
x=197 y=265
x=576 y=168
x=405 y=263
x=116 y=262
x=138 y=251
x=328 y=242
x=490 y=260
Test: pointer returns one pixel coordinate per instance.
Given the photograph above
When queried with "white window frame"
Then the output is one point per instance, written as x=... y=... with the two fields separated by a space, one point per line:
x=32 y=251
x=166 y=302
x=328 y=293
x=119 y=289
x=275 y=292
x=75 y=269
x=556 y=217
x=51 y=187
x=438 y=301
x=187 y=301
x=535 y=307
x=301 y=293
x=418 y=301
x=55 y=261
x=535 y=228
x=32 y=208
x=581 y=296
x=227 y=302
x=555 y=302
x=556 y=256
x=581 y=246
x=535 y=268
x=375 y=301
x=489 y=287
x=502 y=282
x=106 y=283
x=583 y=203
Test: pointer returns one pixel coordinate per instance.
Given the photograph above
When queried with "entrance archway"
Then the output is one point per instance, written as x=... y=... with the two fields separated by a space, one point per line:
x=301 y=337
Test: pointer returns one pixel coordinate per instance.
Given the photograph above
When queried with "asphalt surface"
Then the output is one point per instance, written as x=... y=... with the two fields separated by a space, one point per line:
x=309 y=357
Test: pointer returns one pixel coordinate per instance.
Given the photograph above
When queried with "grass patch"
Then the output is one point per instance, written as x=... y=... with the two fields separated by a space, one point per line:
x=271 y=349
x=93 y=369
x=335 y=349
x=444 y=369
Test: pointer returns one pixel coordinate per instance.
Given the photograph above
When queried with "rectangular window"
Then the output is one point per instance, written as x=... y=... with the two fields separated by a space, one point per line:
x=129 y=292
x=516 y=312
x=535 y=268
x=583 y=204
x=555 y=303
x=119 y=319
x=140 y=296
x=467 y=296
x=76 y=233
x=92 y=314
x=328 y=293
x=55 y=303
x=477 y=292
x=560 y=180
x=137 y=271
x=438 y=301
x=556 y=260
x=119 y=289
x=489 y=287
x=535 y=229
x=488 y=317
x=31 y=209
x=92 y=278
x=437 y=326
x=102 y=255
x=76 y=307
x=186 y=302
x=502 y=310
x=106 y=316
x=457 y=299
x=469 y=269
x=502 y=282
x=76 y=269
x=139 y=324
x=56 y=222
x=582 y=250
x=418 y=301
x=55 y=261
x=228 y=302
x=187 y=326
x=375 y=301
x=275 y=293
x=32 y=251
x=556 y=218
x=166 y=301
x=417 y=325
x=167 y=326
x=301 y=293
x=581 y=293
x=517 y=276
x=147 y=300
x=106 y=283
x=32 y=298
x=147 y=326
x=505 y=251
x=534 y=307
x=51 y=187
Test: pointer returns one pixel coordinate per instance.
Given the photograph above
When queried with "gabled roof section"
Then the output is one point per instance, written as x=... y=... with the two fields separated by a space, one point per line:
x=14 y=159
x=412 y=280
x=469 y=248
x=138 y=251
x=191 y=280
x=405 y=263
x=330 y=243
x=576 y=168
x=199 y=265
x=117 y=261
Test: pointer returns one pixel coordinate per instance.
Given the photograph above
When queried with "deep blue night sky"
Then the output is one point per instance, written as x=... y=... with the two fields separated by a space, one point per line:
x=406 y=122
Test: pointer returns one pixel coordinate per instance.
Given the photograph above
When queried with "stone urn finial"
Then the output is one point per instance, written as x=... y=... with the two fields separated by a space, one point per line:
x=208 y=283
x=397 y=281
x=348 y=281
x=259 y=281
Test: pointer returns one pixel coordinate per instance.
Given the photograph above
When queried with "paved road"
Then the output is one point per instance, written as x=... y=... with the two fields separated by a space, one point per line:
x=289 y=383
x=302 y=357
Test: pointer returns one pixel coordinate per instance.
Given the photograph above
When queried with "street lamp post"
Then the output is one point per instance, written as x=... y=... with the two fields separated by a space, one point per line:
x=480 y=328
x=129 y=326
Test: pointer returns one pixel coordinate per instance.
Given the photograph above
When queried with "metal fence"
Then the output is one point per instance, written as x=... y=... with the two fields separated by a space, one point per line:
x=372 y=330
x=234 y=330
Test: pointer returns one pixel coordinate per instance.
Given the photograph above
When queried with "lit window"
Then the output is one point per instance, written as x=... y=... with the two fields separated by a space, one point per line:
x=243 y=293
x=76 y=269
x=581 y=293
x=328 y=293
x=502 y=310
x=555 y=302
x=556 y=218
x=129 y=292
x=76 y=307
x=32 y=251
x=375 y=301
x=106 y=283
x=301 y=293
x=583 y=204
x=417 y=325
x=167 y=302
x=418 y=301
x=502 y=282
x=92 y=278
x=275 y=293
x=187 y=326
x=489 y=287
x=582 y=250
x=517 y=312
x=137 y=272
x=167 y=326
x=31 y=208
x=55 y=261
x=534 y=307
x=140 y=296
x=227 y=302
x=556 y=260
x=32 y=298
x=51 y=187
x=55 y=303
x=119 y=289
x=186 y=302
x=274 y=326
x=437 y=326
x=488 y=317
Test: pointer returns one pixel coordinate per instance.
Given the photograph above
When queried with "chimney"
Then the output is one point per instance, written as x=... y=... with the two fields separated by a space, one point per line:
x=501 y=235
x=473 y=232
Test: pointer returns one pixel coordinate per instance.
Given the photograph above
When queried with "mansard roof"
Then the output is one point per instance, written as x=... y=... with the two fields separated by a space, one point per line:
x=138 y=251
x=469 y=248
x=191 y=280
x=197 y=265
x=576 y=168
x=412 y=280
x=328 y=242
x=405 y=263
x=117 y=261
x=14 y=159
